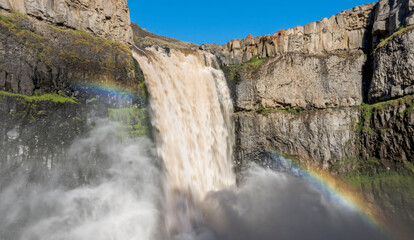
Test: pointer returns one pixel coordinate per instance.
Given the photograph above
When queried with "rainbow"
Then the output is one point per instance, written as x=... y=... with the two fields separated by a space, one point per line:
x=330 y=186
x=105 y=89
x=334 y=189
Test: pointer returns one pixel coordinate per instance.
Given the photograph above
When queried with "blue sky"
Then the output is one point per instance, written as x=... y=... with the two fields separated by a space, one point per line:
x=219 y=21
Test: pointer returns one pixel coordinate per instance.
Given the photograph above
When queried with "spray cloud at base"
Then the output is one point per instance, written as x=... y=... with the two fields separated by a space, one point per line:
x=267 y=205
x=191 y=194
x=120 y=202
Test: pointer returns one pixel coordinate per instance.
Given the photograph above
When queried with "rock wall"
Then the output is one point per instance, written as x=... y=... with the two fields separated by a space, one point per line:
x=319 y=136
x=55 y=83
x=37 y=57
x=104 y=18
x=393 y=68
x=391 y=15
x=346 y=31
x=393 y=54
x=331 y=136
x=298 y=80
x=320 y=76
x=386 y=132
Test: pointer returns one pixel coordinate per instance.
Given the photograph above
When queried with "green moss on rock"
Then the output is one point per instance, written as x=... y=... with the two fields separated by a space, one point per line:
x=134 y=119
x=399 y=32
x=254 y=62
x=52 y=97
x=368 y=110
x=391 y=182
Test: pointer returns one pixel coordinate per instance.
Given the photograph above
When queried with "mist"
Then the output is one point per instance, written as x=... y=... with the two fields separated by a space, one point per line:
x=120 y=201
x=274 y=205
x=123 y=200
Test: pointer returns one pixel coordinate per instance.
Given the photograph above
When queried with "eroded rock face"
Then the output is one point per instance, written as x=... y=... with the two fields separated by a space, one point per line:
x=393 y=69
x=40 y=60
x=347 y=30
x=387 y=131
x=104 y=18
x=306 y=81
x=382 y=131
x=37 y=57
x=319 y=136
x=390 y=15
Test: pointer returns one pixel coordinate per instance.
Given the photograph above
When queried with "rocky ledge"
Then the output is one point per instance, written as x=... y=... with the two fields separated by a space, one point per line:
x=108 y=19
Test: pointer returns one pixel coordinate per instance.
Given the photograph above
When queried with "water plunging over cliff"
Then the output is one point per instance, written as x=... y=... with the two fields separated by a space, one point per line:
x=191 y=114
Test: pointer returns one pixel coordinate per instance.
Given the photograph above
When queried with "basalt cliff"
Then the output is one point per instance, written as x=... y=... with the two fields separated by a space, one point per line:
x=336 y=94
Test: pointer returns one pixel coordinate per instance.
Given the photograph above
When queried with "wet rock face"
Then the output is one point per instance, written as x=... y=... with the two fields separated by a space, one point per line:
x=36 y=134
x=347 y=30
x=104 y=18
x=306 y=81
x=52 y=90
x=393 y=69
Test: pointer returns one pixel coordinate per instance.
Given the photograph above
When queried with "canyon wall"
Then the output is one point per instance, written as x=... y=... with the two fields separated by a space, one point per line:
x=348 y=30
x=325 y=82
x=336 y=94
x=57 y=82
x=104 y=18
x=302 y=80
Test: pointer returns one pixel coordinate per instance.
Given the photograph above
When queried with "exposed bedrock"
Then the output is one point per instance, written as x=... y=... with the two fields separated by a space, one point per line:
x=393 y=67
x=315 y=85
x=319 y=136
x=330 y=137
x=337 y=99
x=55 y=83
x=302 y=80
x=38 y=57
x=348 y=30
x=391 y=15
x=103 y=18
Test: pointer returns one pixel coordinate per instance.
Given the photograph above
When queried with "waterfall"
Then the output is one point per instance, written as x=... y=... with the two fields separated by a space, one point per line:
x=192 y=195
x=191 y=113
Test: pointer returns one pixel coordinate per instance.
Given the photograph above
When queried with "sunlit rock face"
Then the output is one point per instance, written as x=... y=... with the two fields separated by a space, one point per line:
x=104 y=18
x=393 y=69
x=347 y=30
x=306 y=81
x=391 y=15
x=393 y=56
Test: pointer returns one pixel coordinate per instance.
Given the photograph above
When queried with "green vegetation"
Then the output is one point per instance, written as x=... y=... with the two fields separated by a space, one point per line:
x=8 y=21
x=369 y=109
x=19 y=14
x=253 y=62
x=388 y=182
x=382 y=105
x=13 y=21
x=399 y=32
x=265 y=111
x=410 y=166
x=85 y=38
x=135 y=120
x=357 y=165
x=53 y=97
